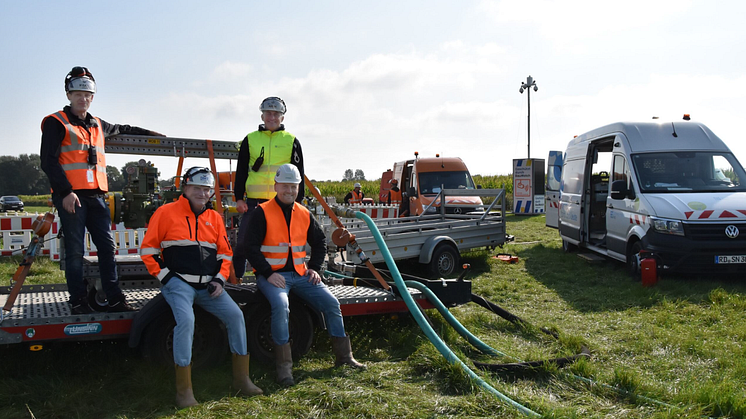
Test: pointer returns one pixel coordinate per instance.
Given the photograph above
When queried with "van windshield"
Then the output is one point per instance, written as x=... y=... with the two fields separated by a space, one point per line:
x=430 y=182
x=689 y=172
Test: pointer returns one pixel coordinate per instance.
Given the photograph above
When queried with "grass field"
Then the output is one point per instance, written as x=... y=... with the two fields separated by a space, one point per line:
x=676 y=350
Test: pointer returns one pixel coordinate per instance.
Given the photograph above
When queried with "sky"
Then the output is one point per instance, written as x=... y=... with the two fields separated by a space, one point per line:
x=369 y=83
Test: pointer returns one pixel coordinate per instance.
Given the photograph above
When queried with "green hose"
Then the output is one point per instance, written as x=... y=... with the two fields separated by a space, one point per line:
x=422 y=322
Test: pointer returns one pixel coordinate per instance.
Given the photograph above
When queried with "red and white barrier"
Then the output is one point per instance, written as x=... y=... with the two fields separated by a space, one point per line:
x=17 y=235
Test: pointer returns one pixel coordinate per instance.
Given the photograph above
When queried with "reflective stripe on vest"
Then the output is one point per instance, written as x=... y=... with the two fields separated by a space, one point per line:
x=280 y=240
x=395 y=197
x=278 y=149
x=357 y=198
x=74 y=154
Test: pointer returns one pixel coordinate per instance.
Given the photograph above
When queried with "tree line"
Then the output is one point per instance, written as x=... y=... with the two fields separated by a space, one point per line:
x=22 y=175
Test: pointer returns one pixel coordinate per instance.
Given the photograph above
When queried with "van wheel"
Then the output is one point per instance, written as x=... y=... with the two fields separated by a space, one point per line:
x=208 y=348
x=259 y=332
x=568 y=247
x=444 y=261
x=633 y=259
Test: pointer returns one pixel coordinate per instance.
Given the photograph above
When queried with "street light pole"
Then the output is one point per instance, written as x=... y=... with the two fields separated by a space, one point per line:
x=530 y=82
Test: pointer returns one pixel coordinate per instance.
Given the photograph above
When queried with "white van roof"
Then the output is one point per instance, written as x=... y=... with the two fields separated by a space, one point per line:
x=659 y=135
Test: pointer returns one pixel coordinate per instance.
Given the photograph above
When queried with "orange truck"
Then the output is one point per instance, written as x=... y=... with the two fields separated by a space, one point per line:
x=422 y=179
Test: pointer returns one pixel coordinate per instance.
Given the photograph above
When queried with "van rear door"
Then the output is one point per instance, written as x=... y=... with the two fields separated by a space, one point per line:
x=554 y=180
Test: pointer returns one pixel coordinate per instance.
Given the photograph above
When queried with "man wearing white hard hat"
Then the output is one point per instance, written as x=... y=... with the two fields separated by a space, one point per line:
x=72 y=156
x=276 y=248
x=187 y=249
x=261 y=153
x=355 y=196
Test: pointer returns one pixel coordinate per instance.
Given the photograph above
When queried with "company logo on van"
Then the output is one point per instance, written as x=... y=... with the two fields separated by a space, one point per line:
x=83 y=329
x=731 y=231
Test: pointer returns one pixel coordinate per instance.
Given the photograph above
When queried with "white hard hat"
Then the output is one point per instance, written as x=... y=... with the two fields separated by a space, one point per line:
x=357 y=185
x=199 y=176
x=81 y=84
x=79 y=79
x=288 y=173
x=273 y=104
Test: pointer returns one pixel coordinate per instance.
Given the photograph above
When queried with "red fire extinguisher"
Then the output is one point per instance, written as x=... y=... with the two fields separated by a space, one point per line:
x=648 y=269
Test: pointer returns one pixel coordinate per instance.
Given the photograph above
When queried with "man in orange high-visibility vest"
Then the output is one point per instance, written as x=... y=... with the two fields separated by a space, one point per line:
x=276 y=248
x=355 y=196
x=72 y=156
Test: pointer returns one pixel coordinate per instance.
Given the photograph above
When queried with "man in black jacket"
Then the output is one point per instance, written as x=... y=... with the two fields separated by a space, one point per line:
x=72 y=156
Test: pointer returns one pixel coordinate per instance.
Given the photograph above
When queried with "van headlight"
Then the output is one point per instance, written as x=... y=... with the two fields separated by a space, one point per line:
x=665 y=226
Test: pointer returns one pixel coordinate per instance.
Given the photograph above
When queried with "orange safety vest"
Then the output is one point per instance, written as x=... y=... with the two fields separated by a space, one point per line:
x=395 y=196
x=357 y=198
x=281 y=240
x=74 y=154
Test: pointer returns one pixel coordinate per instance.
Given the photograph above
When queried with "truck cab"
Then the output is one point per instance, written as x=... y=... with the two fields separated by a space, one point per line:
x=669 y=190
x=424 y=178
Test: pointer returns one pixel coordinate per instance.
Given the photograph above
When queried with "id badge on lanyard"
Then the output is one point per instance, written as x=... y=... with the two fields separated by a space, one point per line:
x=89 y=175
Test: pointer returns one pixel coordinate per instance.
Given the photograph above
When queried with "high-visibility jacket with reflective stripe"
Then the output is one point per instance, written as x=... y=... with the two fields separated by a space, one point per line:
x=357 y=198
x=395 y=196
x=192 y=247
x=282 y=239
x=74 y=154
x=278 y=149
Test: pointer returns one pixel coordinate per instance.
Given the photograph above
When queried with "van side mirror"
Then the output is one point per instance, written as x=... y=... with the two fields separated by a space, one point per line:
x=412 y=193
x=479 y=186
x=619 y=190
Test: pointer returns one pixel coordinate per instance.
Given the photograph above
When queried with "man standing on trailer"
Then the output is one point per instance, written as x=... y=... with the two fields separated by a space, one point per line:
x=187 y=249
x=259 y=156
x=72 y=156
x=275 y=246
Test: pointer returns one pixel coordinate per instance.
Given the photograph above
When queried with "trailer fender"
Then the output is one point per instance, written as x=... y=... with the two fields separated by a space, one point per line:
x=152 y=310
x=426 y=254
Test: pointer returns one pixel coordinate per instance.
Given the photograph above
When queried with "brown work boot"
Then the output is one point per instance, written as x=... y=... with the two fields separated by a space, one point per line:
x=284 y=364
x=241 y=379
x=184 y=394
x=343 y=351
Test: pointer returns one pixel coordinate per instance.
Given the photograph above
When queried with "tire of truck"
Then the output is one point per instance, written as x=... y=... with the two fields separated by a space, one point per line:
x=444 y=261
x=633 y=260
x=259 y=333
x=208 y=348
x=568 y=247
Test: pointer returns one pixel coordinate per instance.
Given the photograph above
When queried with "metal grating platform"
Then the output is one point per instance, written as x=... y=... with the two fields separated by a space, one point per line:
x=52 y=307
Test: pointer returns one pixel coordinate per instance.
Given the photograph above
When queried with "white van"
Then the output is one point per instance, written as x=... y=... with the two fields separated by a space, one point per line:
x=671 y=189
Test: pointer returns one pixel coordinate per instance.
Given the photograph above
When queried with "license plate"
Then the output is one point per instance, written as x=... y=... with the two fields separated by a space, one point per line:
x=731 y=259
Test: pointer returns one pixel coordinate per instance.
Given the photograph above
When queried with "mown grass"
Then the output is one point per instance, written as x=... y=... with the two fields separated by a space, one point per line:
x=681 y=343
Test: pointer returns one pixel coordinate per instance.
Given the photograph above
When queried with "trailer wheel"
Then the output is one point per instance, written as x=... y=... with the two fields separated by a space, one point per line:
x=97 y=300
x=633 y=259
x=208 y=348
x=259 y=332
x=444 y=261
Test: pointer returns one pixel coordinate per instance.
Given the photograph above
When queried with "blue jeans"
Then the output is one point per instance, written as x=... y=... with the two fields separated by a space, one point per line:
x=94 y=215
x=317 y=295
x=239 y=255
x=181 y=297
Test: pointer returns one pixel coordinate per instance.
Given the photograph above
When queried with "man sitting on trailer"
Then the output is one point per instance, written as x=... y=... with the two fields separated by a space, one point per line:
x=275 y=246
x=187 y=249
x=72 y=156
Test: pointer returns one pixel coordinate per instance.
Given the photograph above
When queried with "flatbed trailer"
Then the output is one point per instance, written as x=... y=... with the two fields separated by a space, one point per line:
x=434 y=240
x=41 y=315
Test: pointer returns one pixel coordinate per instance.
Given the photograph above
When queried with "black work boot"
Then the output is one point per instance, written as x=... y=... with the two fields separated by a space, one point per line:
x=80 y=306
x=119 y=305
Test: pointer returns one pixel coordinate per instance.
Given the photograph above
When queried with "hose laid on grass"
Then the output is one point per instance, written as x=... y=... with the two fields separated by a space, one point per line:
x=422 y=322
